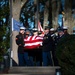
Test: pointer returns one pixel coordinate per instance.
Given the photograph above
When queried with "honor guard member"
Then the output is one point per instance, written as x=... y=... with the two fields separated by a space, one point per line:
x=35 y=31
x=20 y=42
x=47 y=48
x=32 y=52
x=54 y=35
x=65 y=30
x=26 y=51
x=22 y=54
x=60 y=34
x=38 y=51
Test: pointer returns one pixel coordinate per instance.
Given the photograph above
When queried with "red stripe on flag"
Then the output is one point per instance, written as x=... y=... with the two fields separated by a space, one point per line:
x=40 y=29
x=33 y=42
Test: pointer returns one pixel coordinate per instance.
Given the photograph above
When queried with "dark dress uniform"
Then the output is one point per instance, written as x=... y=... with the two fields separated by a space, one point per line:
x=47 y=47
x=55 y=39
x=20 y=43
x=22 y=53
x=38 y=56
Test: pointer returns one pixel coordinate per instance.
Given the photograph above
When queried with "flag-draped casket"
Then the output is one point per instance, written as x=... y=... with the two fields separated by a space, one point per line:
x=33 y=42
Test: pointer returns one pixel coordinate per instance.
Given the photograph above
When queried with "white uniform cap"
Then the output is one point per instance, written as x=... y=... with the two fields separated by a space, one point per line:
x=65 y=27
x=52 y=29
x=35 y=29
x=22 y=28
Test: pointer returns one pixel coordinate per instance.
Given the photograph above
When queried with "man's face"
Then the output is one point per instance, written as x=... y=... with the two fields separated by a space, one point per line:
x=22 y=31
x=65 y=31
x=51 y=32
x=35 y=33
x=46 y=31
x=61 y=33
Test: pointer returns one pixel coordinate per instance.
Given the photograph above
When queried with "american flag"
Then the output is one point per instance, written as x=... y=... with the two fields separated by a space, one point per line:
x=33 y=42
x=40 y=28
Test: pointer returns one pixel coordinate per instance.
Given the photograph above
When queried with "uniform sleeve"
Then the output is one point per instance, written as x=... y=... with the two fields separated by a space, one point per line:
x=17 y=40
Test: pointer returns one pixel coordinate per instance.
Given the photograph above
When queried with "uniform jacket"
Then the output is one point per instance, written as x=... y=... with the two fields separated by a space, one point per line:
x=47 y=42
x=20 y=42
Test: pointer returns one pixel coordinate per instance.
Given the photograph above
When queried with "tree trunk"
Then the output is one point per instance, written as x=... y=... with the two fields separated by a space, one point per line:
x=46 y=14
x=50 y=13
x=36 y=3
x=55 y=12
x=16 y=8
x=68 y=20
x=14 y=48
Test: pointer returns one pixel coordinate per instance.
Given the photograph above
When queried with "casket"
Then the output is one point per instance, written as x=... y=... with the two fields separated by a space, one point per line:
x=33 y=42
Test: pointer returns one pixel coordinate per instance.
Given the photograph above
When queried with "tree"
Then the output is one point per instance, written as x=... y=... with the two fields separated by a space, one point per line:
x=16 y=10
x=65 y=52
x=68 y=16
x=55 y=12
x=27 y=13
x=50 y=13
x=4 y=27
x=46 y=14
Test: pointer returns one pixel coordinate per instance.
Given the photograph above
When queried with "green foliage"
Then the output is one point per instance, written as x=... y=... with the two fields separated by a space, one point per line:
x=1 y=54
x=4 y=28
x=66 y=54
x=4 y=41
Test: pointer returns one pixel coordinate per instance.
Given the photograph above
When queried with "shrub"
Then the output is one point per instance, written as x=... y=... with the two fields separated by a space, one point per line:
x=1 y=54
x=65 y=52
